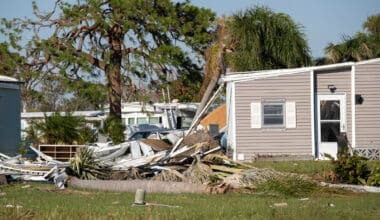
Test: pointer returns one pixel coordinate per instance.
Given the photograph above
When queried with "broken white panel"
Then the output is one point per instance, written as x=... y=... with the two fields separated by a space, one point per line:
x=255 y=115
x=146 y=149
x=291 y=118
x=135 y=150
x=123 y=148
x=172 y=138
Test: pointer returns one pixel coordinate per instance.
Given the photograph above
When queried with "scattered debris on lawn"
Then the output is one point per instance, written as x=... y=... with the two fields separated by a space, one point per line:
x=13 y=206
x=196 y=160
x=280 y=204
x=177 y=161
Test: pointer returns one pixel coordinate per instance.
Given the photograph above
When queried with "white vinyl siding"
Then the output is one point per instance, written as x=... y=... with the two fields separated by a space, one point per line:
x=367 y=77
x=252 y=141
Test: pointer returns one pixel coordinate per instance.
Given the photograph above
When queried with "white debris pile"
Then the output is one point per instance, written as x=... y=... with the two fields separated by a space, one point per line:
x=49 y=170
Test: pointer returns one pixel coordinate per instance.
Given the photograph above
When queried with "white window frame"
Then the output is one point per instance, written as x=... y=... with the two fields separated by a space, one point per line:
x=275 y=102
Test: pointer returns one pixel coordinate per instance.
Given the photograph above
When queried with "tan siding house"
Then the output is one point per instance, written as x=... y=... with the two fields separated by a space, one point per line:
x=304 y=111
x=282 y=140
x=367 y=81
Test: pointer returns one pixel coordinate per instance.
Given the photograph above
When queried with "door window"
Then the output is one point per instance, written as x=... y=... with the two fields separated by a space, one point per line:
x=330 y=120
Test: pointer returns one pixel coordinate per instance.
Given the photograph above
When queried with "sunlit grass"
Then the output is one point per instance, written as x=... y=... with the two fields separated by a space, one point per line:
x=304 y=200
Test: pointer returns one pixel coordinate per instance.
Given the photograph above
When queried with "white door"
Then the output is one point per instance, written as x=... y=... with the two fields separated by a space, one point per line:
x=331 y=122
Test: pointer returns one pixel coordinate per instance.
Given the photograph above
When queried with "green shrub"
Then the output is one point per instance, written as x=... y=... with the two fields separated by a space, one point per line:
x=86 y=135
x=114 y=128
x=374 y=178
x=22 y=149
x=350 y=169
x=60 y=129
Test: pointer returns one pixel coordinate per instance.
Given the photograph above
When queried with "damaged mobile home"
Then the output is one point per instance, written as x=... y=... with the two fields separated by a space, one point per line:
x=303 y=111
x=10 y=105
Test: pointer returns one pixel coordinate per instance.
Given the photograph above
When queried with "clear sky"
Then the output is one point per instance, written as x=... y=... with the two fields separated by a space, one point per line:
x=323 y=21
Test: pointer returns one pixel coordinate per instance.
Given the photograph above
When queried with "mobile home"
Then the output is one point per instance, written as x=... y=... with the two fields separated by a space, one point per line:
x=302 y=111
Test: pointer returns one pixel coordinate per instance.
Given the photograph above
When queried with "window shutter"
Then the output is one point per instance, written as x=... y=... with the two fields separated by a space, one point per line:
x=256 y=115
x=291 y=119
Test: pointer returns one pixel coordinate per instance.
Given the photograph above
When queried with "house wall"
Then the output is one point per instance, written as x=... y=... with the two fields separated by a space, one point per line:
x=341 y=79
x=10 y=130
x=367 y=78
x=274 y=141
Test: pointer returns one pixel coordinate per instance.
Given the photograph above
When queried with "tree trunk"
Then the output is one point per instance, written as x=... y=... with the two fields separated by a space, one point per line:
x=214 y=67
x=113 y=71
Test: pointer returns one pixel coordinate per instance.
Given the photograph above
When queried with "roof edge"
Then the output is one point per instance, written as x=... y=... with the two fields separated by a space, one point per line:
x=251 y=75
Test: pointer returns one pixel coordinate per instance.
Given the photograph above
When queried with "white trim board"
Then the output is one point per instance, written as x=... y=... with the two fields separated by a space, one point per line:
x=234 y=121
x=243 y=76
x=252 y=75
x=353 y=110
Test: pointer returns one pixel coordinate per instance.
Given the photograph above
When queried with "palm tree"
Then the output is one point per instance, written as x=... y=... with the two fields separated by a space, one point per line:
x=60 y=129
x=352 y=49
x=362 y=46
x=255 y=39
x=263 y=39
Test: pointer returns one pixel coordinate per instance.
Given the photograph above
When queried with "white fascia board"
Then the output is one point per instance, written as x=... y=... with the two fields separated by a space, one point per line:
x=231 y=124
x=245 y=76
x=353 y=110
x=233 y=112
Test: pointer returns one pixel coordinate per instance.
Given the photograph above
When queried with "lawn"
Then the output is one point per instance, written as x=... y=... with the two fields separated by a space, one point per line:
x=42 y=201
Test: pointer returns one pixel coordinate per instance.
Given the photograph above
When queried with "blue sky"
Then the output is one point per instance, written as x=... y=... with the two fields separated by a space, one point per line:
x=323 y=21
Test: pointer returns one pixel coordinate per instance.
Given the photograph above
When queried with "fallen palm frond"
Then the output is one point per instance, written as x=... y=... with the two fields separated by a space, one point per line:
x=225 y=169
x=218 y=159
x=252 y=177
x=170 y=176
x=199 y=172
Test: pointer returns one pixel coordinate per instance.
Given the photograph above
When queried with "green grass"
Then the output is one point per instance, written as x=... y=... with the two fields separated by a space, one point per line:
x=42 y=201
x=301 y=167
x=316 y=169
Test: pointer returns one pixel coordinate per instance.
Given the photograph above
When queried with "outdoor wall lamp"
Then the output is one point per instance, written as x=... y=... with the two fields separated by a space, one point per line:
x=332 y=88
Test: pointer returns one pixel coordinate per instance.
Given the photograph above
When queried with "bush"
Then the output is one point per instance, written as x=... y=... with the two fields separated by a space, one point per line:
x=374 y=178
x=22 y=149
x=86 y=135
x=350 y=169
x=60 y=129
x=114 y=128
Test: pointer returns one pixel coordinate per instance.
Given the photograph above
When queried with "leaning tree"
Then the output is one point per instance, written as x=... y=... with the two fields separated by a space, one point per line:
x=255 y=39
x=149 y=40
